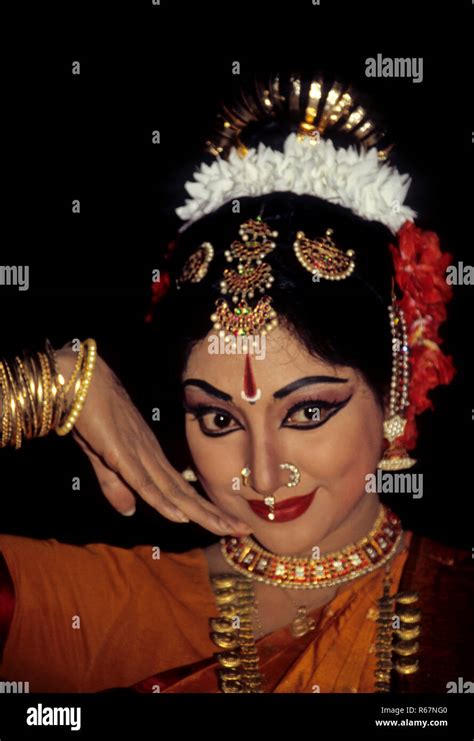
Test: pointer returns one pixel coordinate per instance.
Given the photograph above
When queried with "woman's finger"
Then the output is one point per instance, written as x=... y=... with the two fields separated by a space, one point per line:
x=184 y=495
x=192 y=503
x=160 y=490
x=115 y=490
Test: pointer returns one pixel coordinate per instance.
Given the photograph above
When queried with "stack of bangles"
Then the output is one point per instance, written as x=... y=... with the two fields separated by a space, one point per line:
x=36 y=399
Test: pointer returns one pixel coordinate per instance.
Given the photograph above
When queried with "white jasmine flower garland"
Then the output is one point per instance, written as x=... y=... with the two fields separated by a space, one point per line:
x=355 y=179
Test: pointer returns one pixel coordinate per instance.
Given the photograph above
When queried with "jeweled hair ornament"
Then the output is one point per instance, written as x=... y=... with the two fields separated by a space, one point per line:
x=197 y=265
x=322 y=258
x=253 y=277
x=358 y=178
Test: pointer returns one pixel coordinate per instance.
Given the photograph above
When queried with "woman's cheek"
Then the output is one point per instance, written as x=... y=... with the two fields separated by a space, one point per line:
x=214 y=459
x=340 y=454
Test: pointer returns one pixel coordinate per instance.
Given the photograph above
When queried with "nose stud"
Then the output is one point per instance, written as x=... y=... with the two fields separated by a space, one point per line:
x=245 y=473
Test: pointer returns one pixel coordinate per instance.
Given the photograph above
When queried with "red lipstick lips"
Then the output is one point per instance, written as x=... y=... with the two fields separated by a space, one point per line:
x=284 y=511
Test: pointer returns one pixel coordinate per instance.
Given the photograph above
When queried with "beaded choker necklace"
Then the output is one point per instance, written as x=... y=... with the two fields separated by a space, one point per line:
x=248 y=558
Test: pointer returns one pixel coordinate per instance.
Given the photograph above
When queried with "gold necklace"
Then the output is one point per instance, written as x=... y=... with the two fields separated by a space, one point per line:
x=362 y=557
x=234 y=635
x=300 y=625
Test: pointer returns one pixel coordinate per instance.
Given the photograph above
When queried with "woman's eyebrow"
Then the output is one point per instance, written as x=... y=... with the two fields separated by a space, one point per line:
x=207 y=387
x=280 y=394
x=306 y=381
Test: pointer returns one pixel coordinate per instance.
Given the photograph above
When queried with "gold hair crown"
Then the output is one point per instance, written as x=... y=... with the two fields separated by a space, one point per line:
x=314 y=105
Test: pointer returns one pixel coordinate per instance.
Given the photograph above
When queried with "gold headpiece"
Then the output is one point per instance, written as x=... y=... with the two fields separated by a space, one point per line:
x=313 y=105
x=197 y=265
x=322 y=258
x=252 y=275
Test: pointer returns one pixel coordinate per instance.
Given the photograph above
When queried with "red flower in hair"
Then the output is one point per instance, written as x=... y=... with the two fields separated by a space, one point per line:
x=420 y=265
x=160 y=288
x=420 y=273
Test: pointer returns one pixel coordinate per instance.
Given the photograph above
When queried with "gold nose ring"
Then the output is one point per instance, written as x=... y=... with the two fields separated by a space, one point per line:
x=294 y=479
x=295 y=474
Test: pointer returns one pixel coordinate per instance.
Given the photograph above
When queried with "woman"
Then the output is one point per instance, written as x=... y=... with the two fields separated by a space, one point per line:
x=299 y=315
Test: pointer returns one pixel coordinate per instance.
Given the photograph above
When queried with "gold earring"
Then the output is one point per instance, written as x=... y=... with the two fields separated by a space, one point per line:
x=395 y=456
x=188 y=474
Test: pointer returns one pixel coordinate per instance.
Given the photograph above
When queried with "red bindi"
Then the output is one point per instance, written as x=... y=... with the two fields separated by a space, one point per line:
x=250 y=392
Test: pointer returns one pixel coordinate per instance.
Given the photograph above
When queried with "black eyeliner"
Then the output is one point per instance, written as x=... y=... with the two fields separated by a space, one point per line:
x=200 y=410
x=319 y=404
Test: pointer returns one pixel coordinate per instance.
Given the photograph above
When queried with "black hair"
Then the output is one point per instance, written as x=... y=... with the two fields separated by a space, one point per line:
x=342 y=322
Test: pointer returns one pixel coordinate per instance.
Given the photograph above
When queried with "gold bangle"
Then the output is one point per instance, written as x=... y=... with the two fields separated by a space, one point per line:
x=6 y=416
x=16 y=422
x=58 y=394
x=33 y=394
x=77 y=368
x=23 y=401
x=30 y=393
x=85 y=381
x=47 y=396
x=35 y=376
x=74 y=381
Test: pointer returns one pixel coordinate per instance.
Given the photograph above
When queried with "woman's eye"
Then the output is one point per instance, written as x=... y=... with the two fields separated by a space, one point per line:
x=313 y=413
x=216 y=422
x=213 y=421
x=307 y=414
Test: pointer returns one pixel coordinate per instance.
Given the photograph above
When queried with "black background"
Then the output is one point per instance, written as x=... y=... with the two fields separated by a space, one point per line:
x=89 y=137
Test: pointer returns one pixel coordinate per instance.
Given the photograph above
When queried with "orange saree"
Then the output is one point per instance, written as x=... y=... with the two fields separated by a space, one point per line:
x=338 y=656
x=90 y=618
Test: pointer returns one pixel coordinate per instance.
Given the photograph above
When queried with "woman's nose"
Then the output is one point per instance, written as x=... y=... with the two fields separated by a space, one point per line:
x=266 y=476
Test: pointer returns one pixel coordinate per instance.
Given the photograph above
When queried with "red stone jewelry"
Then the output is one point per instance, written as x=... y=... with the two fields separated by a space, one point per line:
x=375 y=549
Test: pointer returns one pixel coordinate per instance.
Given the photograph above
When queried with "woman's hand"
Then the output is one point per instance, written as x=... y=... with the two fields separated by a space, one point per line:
x=128 y=459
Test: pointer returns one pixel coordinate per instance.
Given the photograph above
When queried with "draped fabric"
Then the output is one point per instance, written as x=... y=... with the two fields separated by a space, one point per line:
x=339 y=656
x=89 y=618
x=7 y=602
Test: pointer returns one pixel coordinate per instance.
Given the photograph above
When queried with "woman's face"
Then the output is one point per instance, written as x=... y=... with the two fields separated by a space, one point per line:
x=323 y=419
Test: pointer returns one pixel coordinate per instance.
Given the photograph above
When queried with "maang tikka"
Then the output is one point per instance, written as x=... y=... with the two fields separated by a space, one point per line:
x=252 y=276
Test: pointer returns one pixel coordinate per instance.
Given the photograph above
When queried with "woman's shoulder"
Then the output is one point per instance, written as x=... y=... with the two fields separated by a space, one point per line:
x=96 y=568
x=125 y=599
